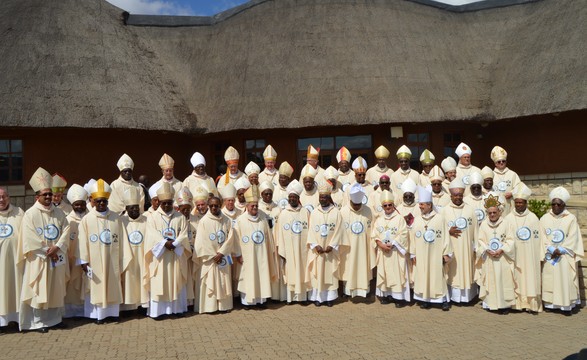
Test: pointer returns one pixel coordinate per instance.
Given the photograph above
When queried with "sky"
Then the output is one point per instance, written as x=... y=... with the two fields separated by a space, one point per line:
x=176 y=7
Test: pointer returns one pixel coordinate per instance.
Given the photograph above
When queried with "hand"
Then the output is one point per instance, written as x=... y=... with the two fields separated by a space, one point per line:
x=85 y=268
x=376 y=187
x=218 y=258
x=498 y=253
x=445 y=259
x=556 y=253
x=52 y=252
x=508 y=195
x=413 y=261
x=453 y=231
x=239 y=259
x=385 y=247
x=169 y=245
x=328 y=249
x=319 y=249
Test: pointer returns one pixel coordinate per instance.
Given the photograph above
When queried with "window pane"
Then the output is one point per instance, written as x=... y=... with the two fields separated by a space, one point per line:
x=4 y=161
x=326 y=161
x=3 y=174
x=327 y=143
x=354 y=142
x=17 y=160
x=4 y=146
x=415 y=153
x=260 y=144
x=16 y=146
x=304 y=143
x=412 y=138
x=16 y=174
x=448 y=151
x=423 y=137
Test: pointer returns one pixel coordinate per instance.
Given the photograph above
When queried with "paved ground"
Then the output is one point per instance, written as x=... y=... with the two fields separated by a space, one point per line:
x=345 y=331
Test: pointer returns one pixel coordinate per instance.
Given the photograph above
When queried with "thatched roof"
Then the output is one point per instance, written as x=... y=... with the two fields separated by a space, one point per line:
x=72 y=63
x=291 y=63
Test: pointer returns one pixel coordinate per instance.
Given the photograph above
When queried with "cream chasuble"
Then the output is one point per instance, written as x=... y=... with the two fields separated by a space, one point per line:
x=397 y=179
x=524 y=228
x=374 y=173
x=214 y=235
x=497 y=274
x=429 y=242
x=11 y=275
x=392 y=266
x=560 y=279
x=291 y=233
x=504 y=181
x=133 y=266
x=116 y=199
x=78 y=281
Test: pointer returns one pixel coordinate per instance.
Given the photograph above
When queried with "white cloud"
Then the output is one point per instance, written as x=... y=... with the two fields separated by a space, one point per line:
x=153 y=7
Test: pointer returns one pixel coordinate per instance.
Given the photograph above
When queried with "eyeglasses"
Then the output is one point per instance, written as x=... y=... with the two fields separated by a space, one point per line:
x=384 y=182
x=387 y=205
x=557 y=204
x=501 y=161
x=46 y=194
x=101 y=201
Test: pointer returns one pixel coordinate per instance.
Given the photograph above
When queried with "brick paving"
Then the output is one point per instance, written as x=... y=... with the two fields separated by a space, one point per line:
x=346 y=331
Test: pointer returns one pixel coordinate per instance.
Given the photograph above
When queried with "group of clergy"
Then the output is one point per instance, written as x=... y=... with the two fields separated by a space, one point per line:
x=450 y=234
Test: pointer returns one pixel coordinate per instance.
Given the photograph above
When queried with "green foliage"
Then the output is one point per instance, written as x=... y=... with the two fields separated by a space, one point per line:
x=538 y=207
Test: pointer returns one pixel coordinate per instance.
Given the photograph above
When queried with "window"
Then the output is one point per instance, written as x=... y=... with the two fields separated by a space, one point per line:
x=417 y=144
x=11 y=161
x=358 y=145
x=254 y=149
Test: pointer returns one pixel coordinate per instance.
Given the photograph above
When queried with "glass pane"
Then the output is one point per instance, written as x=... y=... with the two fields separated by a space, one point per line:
x=17 y=160
x=4 y=146
x=327 y=143
x=456 y=138
x=414 y=150
x=326 y=161
x=16 y=146
x=423 y=137
x=448 y=151
x=260 y=144
x=412 y=138
x=3 y=174
x=304 y=143
x=16 y=174
x=354 y=142
x=250 y=144
x=4 y=161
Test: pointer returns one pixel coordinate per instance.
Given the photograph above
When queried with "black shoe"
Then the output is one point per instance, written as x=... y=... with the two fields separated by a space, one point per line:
x=100 y=322
x=424 y=305
x=504 y=311
x=445 y=306
x=262 y=306
x=384 y=300
x=179 y=315
x=305 y=303
x=399 y=304
x=576 y=309
x=548 y=310
x=329 y=303
x=317 y=303
x=567 y=313
x=43 y=330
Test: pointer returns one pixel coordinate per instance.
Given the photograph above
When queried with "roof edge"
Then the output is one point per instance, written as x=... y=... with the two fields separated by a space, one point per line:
x=475 y=6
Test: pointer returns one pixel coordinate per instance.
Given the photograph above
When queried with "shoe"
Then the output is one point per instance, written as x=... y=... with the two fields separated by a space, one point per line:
x=445 y=306
x=504 y=311
x=567 y=313
x=329 y=303
x=100 y=322
x=42 y=330
x=399 y=304
x=317 y=303
x=424 y=305
x=61 y=325
x=262 y=306
x=179 y=315
x=383 y=300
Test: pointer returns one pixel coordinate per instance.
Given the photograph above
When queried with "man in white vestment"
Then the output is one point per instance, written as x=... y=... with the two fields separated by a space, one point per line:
x=562 y=244
x=430 y=250
x=357 y=259
x=213 y=252
x=312 y=159
x=427 y=160
x=42 y=247
x=166 y=163
x=346 y=176
x=461 y=224
x=78 y=281
x=404 y=172
x=505 y=180
x=389 y=234
x=119 y=186
x=465 y=168
x=374 y=173
x=255 y=252
x=270 y=172
x=133 y=266
x=495 y=258
x=231 y=156
x=291 y=232
x=284 y=178
x=198 y=177
x=167 y=251
x=100 y=255
x=11 y=271
x=324 y=240
x=524 y=227
x=58 y=188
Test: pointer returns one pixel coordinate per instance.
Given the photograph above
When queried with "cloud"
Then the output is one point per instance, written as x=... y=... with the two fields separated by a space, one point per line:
x=154 y=7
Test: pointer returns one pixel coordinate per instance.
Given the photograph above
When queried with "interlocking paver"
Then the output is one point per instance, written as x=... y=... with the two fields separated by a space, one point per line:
x=346 y=331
